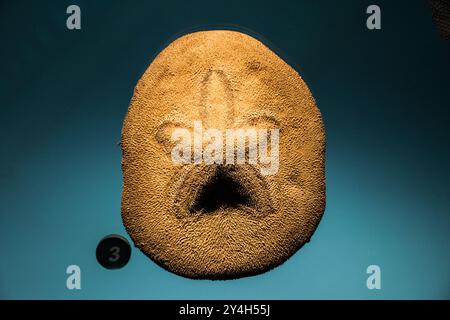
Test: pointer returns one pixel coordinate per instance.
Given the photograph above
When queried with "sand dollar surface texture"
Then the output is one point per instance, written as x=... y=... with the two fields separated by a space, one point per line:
x=221 y=221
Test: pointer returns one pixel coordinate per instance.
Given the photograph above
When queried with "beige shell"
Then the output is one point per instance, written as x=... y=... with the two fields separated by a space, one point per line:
x=226 y=79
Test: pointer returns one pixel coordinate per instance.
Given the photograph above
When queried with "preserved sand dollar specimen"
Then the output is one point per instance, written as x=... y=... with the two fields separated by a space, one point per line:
x=241 y=213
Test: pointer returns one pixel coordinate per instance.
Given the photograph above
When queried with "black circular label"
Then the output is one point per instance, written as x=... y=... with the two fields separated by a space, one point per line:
x=113 y=252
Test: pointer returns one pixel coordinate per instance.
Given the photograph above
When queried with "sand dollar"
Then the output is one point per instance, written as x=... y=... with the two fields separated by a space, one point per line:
x=221 y=220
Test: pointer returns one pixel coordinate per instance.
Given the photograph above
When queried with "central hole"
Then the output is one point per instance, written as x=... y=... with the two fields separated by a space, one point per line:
x=221 y=192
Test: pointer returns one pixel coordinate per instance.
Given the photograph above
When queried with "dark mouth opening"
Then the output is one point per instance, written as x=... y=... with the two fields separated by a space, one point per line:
x=222 y=191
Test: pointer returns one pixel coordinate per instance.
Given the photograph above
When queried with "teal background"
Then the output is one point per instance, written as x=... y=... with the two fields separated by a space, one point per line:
x=384 y=96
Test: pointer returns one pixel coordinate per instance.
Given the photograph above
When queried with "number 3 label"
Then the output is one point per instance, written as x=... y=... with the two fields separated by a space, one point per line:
x=115 y=254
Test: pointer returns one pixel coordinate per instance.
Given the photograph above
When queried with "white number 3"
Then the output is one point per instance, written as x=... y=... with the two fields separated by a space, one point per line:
x=114 y=254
